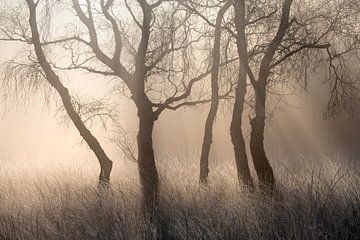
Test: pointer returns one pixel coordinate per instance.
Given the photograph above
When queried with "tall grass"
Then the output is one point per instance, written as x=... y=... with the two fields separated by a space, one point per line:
x=47 y=200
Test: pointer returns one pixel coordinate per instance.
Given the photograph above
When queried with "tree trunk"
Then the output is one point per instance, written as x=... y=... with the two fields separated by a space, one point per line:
x=205 y=150
x=235 y=128
x=261 y=163
x=146 y=160
x=236 y=131
x=54 y=81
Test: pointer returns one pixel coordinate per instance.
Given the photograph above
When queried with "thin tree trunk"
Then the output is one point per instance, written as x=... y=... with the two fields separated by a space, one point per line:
x=207 y=141
x=261 y=163
x=205 y=150
x=54 y=81
x=235 y=128
x=236 y=134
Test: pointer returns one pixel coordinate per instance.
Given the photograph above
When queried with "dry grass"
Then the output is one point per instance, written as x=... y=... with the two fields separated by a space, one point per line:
x=45 y=200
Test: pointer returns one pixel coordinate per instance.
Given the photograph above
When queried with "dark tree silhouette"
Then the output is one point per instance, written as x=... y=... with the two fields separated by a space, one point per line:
x=157 y=57
x=261 y=162
x=208 y=138
x=298 y=42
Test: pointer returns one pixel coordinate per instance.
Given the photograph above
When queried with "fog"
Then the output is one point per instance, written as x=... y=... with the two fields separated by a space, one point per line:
x=145 y=119
x=32 y=130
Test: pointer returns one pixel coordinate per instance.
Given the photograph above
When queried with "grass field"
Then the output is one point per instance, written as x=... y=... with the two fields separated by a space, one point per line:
x=40 y=199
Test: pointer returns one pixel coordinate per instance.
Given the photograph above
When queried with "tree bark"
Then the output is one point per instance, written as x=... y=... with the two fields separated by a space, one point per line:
x=207 y=141
x=54 y=81
x=236 y=134
x=146 y=160
x=261 y=163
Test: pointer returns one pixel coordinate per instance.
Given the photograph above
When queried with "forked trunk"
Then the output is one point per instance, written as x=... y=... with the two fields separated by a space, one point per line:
x=236 y=134
x=261 y=163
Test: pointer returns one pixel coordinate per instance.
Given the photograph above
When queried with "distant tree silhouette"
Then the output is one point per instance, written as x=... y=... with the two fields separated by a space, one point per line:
x=220 y=45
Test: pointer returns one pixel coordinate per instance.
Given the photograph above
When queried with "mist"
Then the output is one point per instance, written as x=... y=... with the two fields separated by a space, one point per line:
x=33 y=130
x=179 y=119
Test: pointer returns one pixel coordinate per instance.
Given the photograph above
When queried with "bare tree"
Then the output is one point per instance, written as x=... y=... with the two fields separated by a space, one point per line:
x=276 y=56
x=151 y=56
x=41 y=69
x=261 y=163
x=204 y=158
x=342 y=73
x=205 y=10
